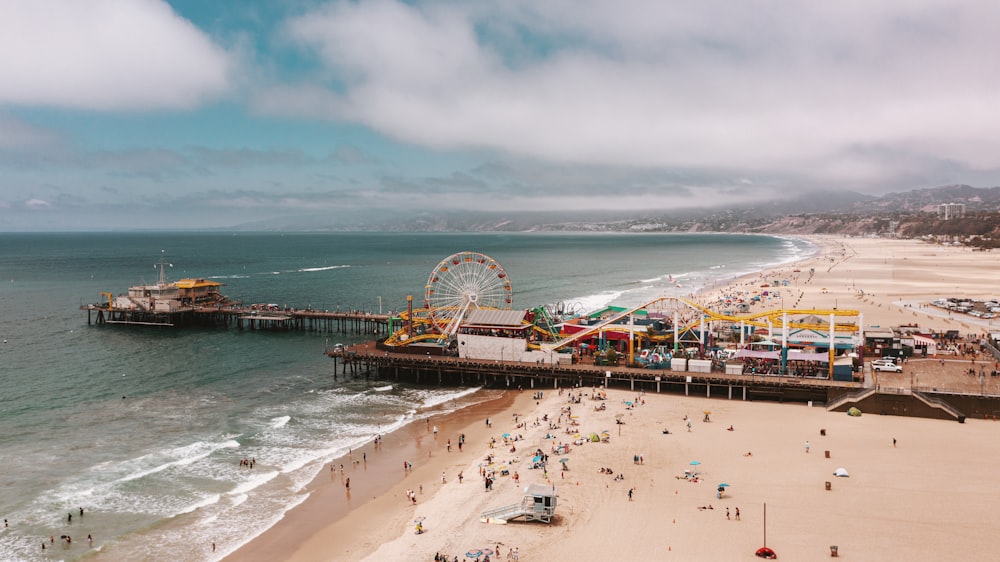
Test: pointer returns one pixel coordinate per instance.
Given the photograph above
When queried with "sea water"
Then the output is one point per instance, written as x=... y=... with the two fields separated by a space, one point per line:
x=144 y=428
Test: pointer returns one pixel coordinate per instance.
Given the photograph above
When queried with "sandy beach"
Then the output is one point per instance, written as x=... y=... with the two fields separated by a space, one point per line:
x=918 y=489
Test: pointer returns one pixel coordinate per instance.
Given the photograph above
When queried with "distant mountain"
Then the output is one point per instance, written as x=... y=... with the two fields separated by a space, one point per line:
x=910 y=213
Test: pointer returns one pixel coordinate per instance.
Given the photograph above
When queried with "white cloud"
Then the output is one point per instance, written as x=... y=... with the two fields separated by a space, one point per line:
x=106 y=55
x=37 y=204
x=775 y=87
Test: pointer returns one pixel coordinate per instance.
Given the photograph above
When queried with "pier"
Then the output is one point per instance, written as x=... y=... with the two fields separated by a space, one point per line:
x=374 y=359
x=244 y=318
x=430 y=367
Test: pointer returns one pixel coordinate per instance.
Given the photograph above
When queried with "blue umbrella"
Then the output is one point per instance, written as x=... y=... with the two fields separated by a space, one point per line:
x=695 y=463
x=474 y=553
x=505 y=435
x=723 y=485
x=536 y=458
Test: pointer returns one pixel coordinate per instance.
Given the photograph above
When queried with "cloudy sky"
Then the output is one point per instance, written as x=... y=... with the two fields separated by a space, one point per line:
x=153 y=114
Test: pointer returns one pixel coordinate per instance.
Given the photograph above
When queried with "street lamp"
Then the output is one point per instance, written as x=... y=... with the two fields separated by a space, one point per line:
x=380 y=305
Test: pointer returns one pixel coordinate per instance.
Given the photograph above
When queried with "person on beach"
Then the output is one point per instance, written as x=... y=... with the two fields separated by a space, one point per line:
x=807 y=446
x=347 y=483
x=737 y=514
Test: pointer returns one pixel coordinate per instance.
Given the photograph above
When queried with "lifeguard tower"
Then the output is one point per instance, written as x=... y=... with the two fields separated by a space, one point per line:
x=538 y=504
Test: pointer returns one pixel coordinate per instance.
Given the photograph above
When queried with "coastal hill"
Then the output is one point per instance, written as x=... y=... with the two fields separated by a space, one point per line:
x=909 y=214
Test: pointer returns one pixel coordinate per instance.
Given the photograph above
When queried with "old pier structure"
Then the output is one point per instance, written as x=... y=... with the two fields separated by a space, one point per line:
x=243 y=318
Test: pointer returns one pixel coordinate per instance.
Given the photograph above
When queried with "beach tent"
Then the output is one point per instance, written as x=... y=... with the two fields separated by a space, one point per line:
x=594 y=438
x=842 y=472
x=854 y=411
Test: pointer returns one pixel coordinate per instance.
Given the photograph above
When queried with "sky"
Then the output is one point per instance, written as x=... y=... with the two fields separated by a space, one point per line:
x=151 y=114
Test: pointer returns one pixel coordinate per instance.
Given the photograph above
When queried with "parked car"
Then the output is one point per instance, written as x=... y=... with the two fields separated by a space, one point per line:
x=886 y=365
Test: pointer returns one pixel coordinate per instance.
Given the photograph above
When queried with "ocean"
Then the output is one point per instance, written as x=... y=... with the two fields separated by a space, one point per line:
x=144 y=428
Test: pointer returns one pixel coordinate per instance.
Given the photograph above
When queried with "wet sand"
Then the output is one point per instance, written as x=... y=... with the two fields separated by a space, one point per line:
x=379 y=482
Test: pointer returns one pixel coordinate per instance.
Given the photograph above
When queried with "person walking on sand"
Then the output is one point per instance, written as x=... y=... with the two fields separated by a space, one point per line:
x=807 y=446
x=893 y=441
x=727 y=513
x=347 y=483
x=737 y=514
x=630 y=494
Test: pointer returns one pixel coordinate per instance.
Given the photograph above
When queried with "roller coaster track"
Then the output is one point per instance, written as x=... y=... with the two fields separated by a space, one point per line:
x=771 y=319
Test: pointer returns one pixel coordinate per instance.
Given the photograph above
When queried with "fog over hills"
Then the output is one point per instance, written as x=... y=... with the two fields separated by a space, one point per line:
x=910 y=213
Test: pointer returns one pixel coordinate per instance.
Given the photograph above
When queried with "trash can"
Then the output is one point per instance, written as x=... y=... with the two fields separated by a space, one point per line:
x=833 y=551
x=822 y=432
x=828 y=485
x=827 y=453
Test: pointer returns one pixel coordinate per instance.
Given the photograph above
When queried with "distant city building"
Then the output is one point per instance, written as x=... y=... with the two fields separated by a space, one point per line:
x=948 y=211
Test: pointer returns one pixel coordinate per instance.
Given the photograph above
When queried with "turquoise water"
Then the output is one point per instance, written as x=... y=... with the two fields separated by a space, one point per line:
x=144 y=428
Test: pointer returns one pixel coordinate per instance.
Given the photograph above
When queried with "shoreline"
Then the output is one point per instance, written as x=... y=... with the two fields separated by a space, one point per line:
x=378 y=478
x=849 y=273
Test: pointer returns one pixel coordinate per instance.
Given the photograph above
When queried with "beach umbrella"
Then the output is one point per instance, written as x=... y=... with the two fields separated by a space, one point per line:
x=723 y=485
x=419 y=519
x=707 y=412
x=505 y=435
x=564 y=460
x=536 y=458
x=488 y=551
x=695 y=463
x=474 y=553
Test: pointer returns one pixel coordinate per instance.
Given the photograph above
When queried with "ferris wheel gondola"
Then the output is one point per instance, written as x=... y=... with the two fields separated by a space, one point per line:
x=463 y=282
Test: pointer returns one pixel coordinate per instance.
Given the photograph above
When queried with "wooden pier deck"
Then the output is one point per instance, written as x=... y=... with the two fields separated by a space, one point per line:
x=244 y=318
x=374 y=359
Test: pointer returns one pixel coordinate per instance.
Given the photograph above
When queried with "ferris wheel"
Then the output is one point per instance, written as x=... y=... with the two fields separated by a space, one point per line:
x=465 y=281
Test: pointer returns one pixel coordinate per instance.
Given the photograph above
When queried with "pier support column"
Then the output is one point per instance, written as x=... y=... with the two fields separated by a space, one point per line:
x=744 y=392
x=730 y=392
x=687 y=390
x=631 y=384
x=708 y=390
x=532 y=382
